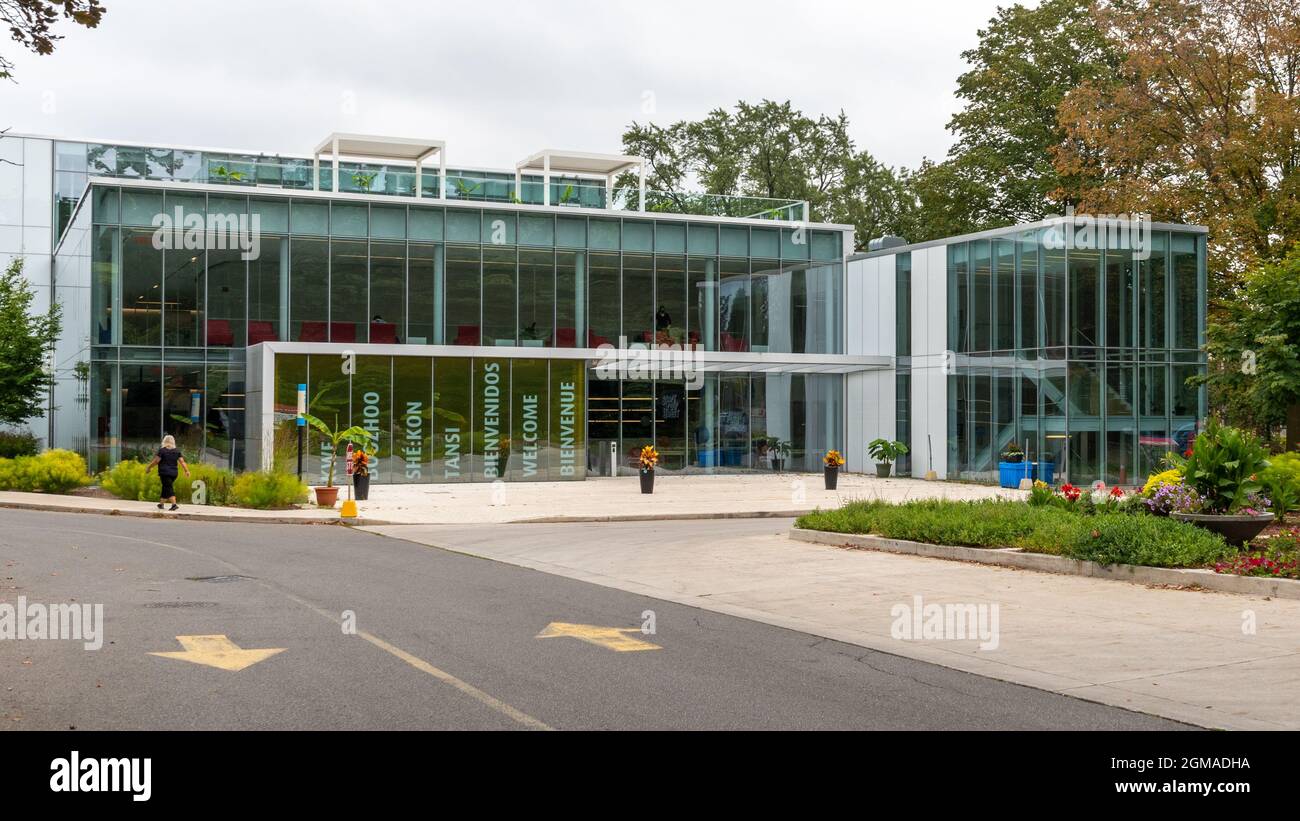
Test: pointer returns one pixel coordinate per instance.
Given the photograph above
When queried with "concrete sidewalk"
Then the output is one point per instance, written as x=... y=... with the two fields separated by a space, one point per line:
x=1213 y=659
x=598 y=499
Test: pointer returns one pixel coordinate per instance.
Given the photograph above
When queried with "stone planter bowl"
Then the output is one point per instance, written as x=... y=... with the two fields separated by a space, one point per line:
x=1237 y=529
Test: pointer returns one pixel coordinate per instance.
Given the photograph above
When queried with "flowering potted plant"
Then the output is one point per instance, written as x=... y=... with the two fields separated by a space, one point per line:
x=648 y=458
x=833 y=461
x=885 y=453
x=361 y=474
x=1222 y=467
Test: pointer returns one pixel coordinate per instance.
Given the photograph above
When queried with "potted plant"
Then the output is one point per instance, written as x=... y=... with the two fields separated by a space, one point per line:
x=1222 y=469
x=832 y=462
x=361 y=474
x=780 y=450
x=326 y=496
x=885 y=453
x=1013 y=467
x=648 y=458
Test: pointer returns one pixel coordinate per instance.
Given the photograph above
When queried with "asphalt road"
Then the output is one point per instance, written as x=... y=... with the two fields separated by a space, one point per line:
x=442 y=641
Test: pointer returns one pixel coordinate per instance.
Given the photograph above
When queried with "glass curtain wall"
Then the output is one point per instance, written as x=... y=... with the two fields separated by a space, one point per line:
x=1079 y=354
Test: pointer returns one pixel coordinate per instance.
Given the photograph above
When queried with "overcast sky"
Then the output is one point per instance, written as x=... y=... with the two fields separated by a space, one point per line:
x=497 y=80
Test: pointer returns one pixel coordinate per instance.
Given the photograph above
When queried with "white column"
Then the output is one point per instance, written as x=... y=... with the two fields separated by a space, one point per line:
x=315 y=173
x=519 y=185
x=335 y=159
x=641 y=186
x=419 y=178
x=442 y=174
x=546 y=180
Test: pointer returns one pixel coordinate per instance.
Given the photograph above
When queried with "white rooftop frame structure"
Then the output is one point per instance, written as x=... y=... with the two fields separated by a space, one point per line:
x=551 y=161
x=368 y=147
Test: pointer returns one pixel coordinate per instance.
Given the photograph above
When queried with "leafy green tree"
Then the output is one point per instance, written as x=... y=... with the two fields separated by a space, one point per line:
x=25 y=341
x=31 y=23
x=1254 y=350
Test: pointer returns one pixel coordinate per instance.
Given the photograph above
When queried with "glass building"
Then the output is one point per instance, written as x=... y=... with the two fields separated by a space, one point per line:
x=1073 y=338
x=469 y=318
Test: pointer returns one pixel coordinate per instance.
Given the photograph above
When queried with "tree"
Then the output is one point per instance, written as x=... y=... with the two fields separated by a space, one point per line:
x=1203 y=126
x=31 y=23
x=769 y=150
x=1026 y=63
x=25 y=341
x=1254 y=350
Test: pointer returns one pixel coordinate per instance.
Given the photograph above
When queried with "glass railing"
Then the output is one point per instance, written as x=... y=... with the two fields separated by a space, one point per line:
x=248 y=170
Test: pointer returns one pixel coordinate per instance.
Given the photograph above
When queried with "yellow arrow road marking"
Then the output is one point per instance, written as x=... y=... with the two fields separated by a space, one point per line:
x=611 y=638
x=218 y=651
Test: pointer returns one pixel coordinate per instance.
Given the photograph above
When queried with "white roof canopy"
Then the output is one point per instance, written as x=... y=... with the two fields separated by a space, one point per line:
x=368 y=147
x=551 y=161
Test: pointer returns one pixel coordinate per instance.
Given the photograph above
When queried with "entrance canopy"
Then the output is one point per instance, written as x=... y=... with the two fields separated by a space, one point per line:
x=365 y=147
x=549 y=162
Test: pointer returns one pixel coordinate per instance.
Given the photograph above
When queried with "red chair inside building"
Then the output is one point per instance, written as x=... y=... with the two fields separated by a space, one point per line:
x=734 y=344
x=261 y=331
x=383 y=333
x=693 y=338
x=565 y=338
x=220 y=334
x=343 y=332
x=466 y=335
x=314 y=332
x=595 y=341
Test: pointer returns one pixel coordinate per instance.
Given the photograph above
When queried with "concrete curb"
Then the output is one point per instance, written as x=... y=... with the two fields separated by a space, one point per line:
x=1041 y=562
x=185 y=513
x=658 y=517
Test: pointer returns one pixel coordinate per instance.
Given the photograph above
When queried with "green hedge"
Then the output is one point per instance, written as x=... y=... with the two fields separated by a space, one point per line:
x=1127 y=538
x=54 y=471
x=18 y=443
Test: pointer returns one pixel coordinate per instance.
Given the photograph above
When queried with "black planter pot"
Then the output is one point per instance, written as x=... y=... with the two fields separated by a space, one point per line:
x=832 y=477
x=647 y=481
x=882 y=469
x=776 y=464
x=1236 y=530
x=361 y=486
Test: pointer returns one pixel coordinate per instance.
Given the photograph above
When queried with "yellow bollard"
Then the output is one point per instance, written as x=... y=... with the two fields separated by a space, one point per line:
x=349 y=510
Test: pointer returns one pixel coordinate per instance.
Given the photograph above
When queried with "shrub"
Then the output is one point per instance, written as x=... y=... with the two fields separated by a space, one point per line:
x=54 y=471
x=1281 y=481
x=1146 y=540
x=18 y=443
x=268 y=489
x=127 y=480
x=1050 y=528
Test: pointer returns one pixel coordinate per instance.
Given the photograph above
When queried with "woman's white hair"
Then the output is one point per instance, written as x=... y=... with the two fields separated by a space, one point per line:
x=169 y=441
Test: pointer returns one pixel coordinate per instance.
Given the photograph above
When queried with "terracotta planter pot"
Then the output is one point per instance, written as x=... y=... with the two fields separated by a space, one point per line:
x=326 y=496
x=647 y=481
x=1236 y=530
x=832 y=477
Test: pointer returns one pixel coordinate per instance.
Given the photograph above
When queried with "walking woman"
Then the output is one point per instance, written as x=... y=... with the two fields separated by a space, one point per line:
x=167 y=460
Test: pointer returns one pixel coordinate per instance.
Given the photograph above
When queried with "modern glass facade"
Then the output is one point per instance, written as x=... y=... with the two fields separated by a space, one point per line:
x=169 y=327
x=1081 y=355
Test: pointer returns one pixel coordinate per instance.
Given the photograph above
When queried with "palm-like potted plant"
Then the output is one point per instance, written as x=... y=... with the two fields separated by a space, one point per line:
x=648 y=458
x=832 y=462
x=780 y=450
x=326 y=496
x=1223 y=467
x=885 y=453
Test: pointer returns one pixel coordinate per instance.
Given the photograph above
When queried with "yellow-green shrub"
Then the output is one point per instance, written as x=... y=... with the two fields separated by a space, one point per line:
x=127 y=480
x=268 y=489
x=54 y=471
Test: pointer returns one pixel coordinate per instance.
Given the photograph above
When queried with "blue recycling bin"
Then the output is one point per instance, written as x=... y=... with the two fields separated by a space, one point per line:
x=1010 y=473
x=1044 y=471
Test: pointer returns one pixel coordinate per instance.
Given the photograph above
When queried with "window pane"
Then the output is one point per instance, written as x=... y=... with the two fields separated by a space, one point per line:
x=733 y=305
x=981 y=296
x=529 y=420
x=603 y=300
x=309 y=289
x=499 y=296
x=452 y=442
x=141 y=288
x=463 y=293
x=638 y=293
x=1085 y=307
x=1004 y=294
x=372 y=410
x=536 y=297
x=703 y=295
x=1186 y=299
x=268 y=291
x=226 y=288
x=347 y=291
x=1119 y=298
x=568 y=275
x=670 y=299
x=387 y=292
x=106 y=269
x=422 y=290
